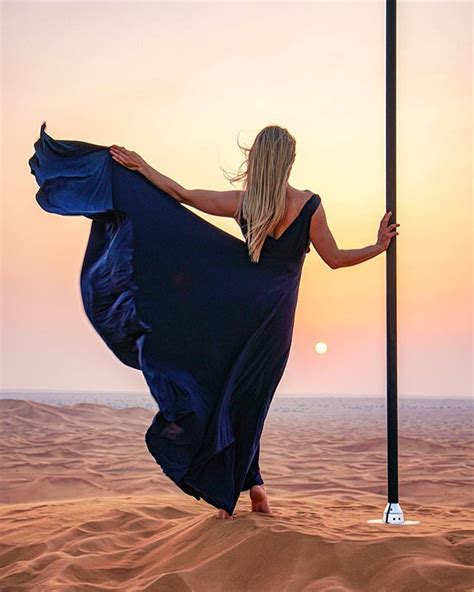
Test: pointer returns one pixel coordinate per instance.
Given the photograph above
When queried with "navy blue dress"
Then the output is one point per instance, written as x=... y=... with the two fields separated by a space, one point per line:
x=177 y=298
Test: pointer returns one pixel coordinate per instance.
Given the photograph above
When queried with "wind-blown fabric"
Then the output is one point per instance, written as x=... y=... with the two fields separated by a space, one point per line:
x=180 y=300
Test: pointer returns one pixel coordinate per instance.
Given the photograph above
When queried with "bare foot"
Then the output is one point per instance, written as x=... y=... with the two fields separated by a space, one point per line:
x=223 y=515
x=259 y=499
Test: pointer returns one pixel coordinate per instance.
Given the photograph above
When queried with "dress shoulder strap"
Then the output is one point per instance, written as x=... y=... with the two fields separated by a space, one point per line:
x=314 y=203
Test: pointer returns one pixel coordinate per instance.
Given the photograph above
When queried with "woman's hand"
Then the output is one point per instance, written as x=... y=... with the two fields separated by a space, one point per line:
x=386 y=231
x=127 y=158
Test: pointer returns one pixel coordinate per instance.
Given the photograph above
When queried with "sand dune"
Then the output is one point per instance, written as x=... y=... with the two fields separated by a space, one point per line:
x=85 y=507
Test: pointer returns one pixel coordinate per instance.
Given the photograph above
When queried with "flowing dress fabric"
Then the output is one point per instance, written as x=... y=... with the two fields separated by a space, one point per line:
x=177 y=298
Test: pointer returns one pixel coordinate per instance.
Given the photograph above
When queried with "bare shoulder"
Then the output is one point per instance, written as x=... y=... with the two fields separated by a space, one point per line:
x=300 y=196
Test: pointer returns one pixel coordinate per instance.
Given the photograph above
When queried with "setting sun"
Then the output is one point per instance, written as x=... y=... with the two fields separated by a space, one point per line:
x=321 y=347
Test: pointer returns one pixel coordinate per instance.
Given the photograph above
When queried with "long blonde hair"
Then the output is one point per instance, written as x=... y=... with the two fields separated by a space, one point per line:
x=263 y=200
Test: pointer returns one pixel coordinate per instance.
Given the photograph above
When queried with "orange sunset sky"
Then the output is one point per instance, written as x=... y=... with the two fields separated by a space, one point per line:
x=178 y=82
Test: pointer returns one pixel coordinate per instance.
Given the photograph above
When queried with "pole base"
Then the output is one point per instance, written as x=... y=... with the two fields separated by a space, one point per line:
x=393 y=514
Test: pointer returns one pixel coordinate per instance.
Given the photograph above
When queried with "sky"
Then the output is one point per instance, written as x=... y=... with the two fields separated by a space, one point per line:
x=180 y=83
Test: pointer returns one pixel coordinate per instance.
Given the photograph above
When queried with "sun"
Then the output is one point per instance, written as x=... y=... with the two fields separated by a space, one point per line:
x=320 y=347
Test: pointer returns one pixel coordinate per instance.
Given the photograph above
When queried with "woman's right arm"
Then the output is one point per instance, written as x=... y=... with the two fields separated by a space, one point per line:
x=325 y=244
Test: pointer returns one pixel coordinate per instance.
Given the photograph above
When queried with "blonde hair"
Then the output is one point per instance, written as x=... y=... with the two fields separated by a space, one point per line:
x=263 y=200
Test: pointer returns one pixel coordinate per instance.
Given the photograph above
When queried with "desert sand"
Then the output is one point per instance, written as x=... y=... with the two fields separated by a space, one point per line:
x=85 y=507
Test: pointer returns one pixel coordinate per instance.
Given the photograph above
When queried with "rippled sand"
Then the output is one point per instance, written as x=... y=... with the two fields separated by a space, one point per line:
x=85 y=507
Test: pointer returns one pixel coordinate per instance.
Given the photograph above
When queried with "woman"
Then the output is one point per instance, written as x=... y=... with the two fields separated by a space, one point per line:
x=206 y=317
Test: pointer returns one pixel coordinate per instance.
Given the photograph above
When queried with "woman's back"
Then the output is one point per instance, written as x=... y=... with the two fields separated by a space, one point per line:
x=293 y=241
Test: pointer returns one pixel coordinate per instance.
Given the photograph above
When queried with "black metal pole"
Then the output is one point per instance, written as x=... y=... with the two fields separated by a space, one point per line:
x=391 y=268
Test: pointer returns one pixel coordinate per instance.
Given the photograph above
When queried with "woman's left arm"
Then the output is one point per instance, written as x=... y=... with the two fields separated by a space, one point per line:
x=219 y=203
